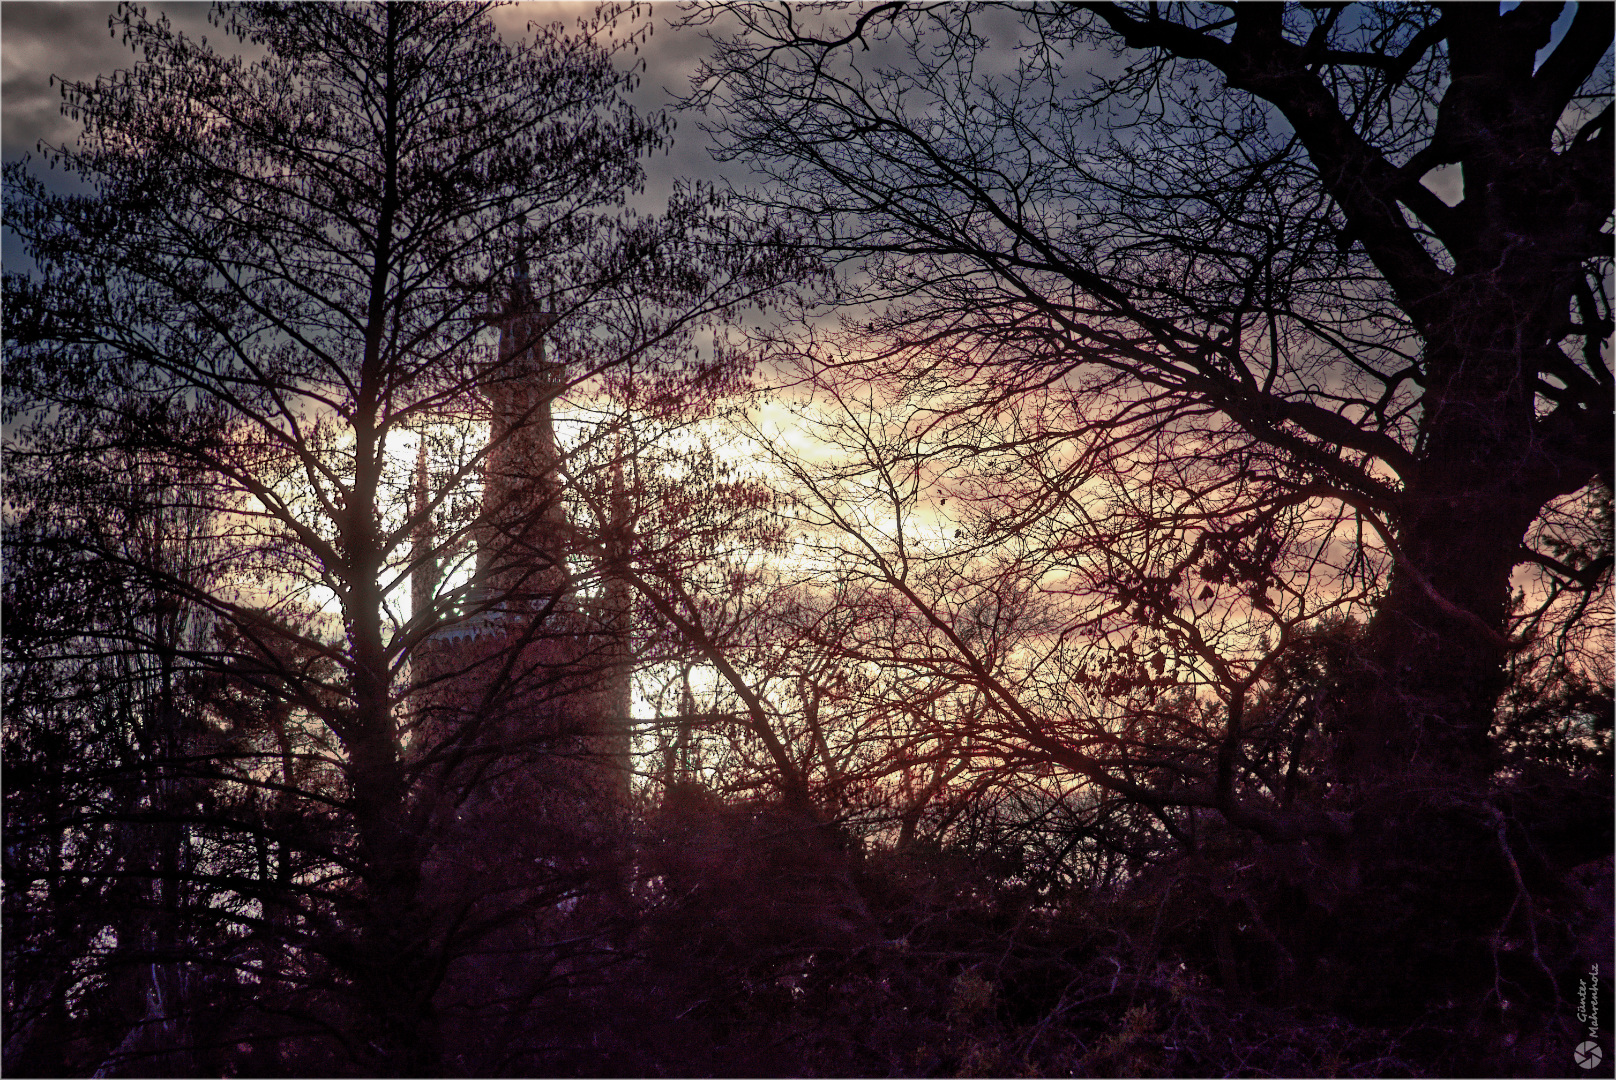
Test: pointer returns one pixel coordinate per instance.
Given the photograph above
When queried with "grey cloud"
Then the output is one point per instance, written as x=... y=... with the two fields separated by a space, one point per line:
x=72 y=41
x=69 y=41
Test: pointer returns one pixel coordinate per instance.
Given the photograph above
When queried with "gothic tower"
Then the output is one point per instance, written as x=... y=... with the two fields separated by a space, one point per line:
x=522 y=537
x=520 y=730
x=531 y=682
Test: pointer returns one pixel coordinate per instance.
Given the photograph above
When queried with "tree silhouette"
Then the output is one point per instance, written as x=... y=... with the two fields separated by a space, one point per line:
x=280 y=281
x=1162 y=301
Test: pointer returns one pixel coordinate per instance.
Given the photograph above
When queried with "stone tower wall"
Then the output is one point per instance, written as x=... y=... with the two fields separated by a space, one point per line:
x=526 y=697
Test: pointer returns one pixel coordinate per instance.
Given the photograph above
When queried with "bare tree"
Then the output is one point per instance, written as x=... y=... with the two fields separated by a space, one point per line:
x=1234 y=266
x=1163 y=304
x=282 y=280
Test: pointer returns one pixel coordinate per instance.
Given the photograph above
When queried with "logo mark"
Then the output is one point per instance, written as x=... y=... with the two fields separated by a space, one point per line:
x=1588 y=1054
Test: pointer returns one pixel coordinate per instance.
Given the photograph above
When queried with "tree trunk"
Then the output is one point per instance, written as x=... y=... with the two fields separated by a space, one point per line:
x=1438 y=642
x=394 y=966
x=1434 y=664
x=1416 y=757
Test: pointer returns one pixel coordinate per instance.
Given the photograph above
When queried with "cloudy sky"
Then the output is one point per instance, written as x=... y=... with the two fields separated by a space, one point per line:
x=72 y=41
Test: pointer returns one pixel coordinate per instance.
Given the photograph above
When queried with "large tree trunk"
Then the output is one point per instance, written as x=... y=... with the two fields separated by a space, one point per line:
x=1433 y=676
x=1435 y=864
x=1439 y=640
x=1437 y=646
